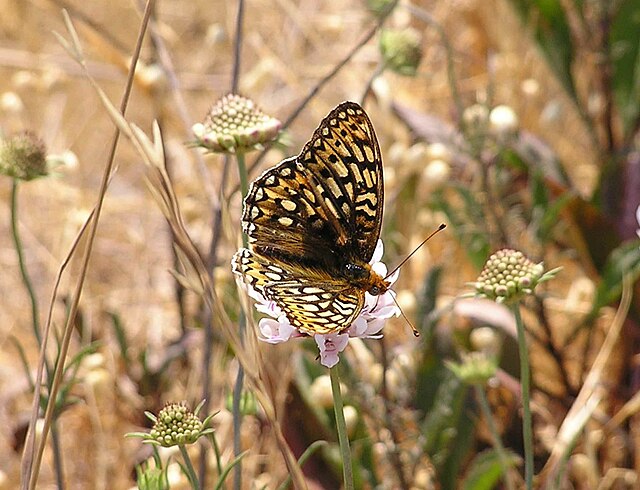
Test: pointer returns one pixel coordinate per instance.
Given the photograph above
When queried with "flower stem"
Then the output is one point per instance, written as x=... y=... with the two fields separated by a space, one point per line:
x=244 y=185
x=26 y=279
x=237 y=389
x=347 y=470
x=497 y=442
x=191 y=473
x=526 y=408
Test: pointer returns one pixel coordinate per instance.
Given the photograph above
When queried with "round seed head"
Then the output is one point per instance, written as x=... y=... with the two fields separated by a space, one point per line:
x=23 y=157
x=235 y=124
x=507 y=275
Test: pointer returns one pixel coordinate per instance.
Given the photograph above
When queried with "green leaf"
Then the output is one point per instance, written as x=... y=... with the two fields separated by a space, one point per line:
x=121 y=338
x=624 y=40
x=427 y=316
x=486 y=471
x=623 y=260
x=553 y=36
x=448 y=429
x=23 y=359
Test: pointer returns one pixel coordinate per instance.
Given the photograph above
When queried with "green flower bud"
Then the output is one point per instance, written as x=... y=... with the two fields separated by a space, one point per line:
x=508 y=275
x=380 y=8
x=235 y=124
x=176 y=425
x=401 y=50
x=23 y=157
x=475 y=368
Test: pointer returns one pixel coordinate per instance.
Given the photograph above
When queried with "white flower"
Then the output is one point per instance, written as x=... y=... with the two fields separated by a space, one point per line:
x=368 y=324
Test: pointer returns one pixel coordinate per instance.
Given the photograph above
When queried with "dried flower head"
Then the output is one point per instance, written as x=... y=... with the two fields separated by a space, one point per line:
x=235 y=124
x=23 y=156
x=401 y=50
x=508 y=275
x=175 y=425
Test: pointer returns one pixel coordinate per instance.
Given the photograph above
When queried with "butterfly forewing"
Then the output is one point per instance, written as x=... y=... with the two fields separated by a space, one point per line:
x=343 y=158
x=309 y=216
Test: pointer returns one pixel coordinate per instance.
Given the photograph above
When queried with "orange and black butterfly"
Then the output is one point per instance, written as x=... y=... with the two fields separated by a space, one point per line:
x=313 y=222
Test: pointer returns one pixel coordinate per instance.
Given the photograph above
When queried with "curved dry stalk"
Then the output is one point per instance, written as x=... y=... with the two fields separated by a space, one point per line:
x=33 y=455
x=194 y=274
x=591 y=393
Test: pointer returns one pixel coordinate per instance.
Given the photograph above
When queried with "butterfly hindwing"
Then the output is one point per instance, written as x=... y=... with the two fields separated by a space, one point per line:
x=256 y=272
x=316 y=307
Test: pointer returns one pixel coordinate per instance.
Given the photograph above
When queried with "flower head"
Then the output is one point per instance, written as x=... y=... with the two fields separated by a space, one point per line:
x=380 y=8
x=235 y=124
x=401 y=50
x=474 y=368
x=175 y=425
x=368 y=324
x=23 y=157
x=508 y=275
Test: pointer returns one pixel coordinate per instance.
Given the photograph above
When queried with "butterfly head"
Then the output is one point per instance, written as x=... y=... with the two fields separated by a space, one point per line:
x=364 y=277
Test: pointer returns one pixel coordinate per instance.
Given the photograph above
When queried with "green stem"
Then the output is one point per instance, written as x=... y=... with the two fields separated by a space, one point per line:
x=23 y=268
x=526 y=408
x=347 y=470
x=497 y=442
x=244 y=186
x=191 y=473
x=216 y=450
x=237 y=389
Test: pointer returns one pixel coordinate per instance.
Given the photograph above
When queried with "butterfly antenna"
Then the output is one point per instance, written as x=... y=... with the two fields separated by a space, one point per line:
x=415 y=330
x=440 y=228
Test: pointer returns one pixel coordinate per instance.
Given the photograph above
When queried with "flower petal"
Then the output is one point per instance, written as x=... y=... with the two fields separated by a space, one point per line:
x=358 y=327
x=393 y=277
x=330 y=345
x=377 y=253
x=379 y=268
x=275 y=331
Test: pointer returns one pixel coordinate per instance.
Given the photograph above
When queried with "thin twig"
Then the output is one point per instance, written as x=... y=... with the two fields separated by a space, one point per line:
x=550 y=346
x=497 y=442
x=322 y=82
x=424 y=16
x=367 y=88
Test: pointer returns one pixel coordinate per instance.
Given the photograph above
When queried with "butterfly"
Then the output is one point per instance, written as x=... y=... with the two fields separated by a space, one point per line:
x=313 y=222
